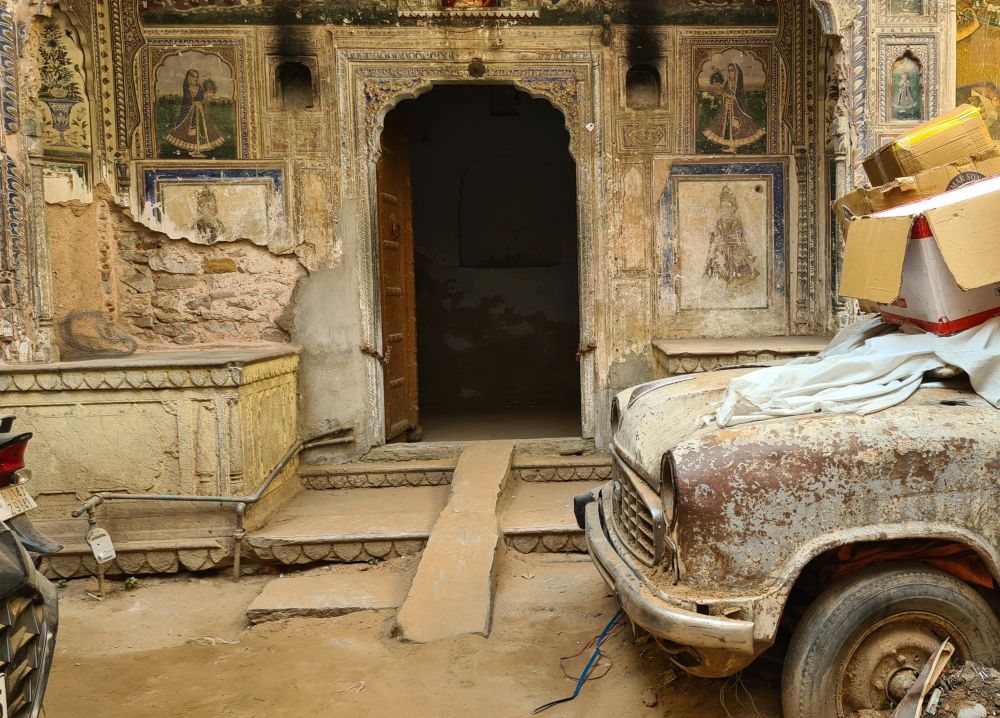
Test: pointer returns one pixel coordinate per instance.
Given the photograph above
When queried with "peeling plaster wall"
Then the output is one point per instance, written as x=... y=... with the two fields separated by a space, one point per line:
x=78 y=266
x=332 y=389
x=175 y=292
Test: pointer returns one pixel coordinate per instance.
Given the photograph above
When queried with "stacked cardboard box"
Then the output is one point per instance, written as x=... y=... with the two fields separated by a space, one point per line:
x=952 y=136
x=934 y=262
x=905 y=190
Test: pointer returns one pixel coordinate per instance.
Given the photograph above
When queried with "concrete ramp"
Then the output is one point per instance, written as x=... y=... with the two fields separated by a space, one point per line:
x=452 y=593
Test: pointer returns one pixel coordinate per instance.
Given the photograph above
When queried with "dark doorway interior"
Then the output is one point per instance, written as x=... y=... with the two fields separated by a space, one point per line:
x=495 y=237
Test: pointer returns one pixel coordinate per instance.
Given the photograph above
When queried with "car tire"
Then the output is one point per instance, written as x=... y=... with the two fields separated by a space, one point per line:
x=862 y=620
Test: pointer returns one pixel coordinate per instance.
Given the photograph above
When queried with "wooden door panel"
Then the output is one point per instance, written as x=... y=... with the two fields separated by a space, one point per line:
x=395 y=227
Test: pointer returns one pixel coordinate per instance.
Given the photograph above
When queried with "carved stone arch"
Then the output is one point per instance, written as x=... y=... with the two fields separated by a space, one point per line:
x=831 y=16
x=381 y=98
x=377 y=81
x=387 y=95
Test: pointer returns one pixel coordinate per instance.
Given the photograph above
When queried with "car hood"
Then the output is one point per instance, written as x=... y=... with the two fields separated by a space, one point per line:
x=654 y=417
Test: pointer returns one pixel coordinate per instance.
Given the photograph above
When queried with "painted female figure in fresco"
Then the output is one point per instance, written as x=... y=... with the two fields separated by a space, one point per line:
x=906 y=100
x=729 y=256
x=733 y=126
x=208 y=225
x=195 y=131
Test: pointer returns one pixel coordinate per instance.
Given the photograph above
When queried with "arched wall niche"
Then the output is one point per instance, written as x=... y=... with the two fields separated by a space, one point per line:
x=831 y=15
x=643 y=87
x=295 y=85
x=906 y=88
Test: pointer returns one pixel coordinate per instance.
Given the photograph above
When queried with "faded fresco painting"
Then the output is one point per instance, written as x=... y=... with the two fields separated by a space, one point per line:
x=907 y=98
x=210 y=213
x=63 y=90
x=209 y=205
x=731 y=106
x=906 y=7
x=195 y=107
x=724 y=229
x=977 y=59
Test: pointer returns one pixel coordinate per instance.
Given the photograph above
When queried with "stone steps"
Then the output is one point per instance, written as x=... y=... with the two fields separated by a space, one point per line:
x=379 y=474
x=332 y=591
x=151 y=556
x=538 y=517
x=460 y=530
x=437 y=472
x=349 y=525
x=423 y=450
x=356 y=525
x=542 y=468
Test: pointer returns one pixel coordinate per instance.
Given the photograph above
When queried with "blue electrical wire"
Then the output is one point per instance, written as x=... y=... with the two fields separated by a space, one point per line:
x=586 y=670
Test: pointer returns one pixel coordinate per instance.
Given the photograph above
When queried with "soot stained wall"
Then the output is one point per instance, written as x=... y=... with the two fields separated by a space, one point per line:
x=494 y=197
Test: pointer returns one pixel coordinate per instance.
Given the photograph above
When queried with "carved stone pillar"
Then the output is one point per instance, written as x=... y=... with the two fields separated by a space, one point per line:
x=837 y=156
x=37 y=262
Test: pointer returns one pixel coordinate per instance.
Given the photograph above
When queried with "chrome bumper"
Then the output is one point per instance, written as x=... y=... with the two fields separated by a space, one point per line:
x=660 y=618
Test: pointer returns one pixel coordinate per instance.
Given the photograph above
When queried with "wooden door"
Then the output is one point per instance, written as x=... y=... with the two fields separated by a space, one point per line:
x=395 y=246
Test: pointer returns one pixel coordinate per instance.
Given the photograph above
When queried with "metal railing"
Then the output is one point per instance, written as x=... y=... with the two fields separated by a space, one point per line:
x=340 y=436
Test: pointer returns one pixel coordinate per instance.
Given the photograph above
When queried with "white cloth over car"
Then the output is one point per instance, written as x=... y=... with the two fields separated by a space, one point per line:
x=865 y=368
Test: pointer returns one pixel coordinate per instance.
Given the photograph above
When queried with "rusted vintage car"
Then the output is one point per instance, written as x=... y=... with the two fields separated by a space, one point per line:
x=853 y=544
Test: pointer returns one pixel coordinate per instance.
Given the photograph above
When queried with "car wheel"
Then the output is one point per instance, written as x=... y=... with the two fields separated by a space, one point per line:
x=864 y=640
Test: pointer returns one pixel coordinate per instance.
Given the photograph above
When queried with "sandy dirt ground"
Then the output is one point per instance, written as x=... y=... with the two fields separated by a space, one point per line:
x=181 y=646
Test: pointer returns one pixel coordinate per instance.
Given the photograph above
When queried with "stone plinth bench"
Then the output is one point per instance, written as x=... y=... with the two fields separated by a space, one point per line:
x=208 y=422
x=685 y=356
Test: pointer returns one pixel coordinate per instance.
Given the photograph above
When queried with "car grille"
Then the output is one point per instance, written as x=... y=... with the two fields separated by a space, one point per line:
x=638 y=516
x=22 y=647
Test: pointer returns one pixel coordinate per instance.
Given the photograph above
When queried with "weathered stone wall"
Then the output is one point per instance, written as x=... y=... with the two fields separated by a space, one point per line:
x=175 y=292
x=198 y=201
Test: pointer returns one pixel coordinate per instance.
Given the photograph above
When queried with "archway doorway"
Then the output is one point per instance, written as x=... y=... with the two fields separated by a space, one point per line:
x=490 y=298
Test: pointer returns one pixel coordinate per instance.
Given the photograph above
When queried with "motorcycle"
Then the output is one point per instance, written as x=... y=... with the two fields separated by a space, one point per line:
x=29 y=613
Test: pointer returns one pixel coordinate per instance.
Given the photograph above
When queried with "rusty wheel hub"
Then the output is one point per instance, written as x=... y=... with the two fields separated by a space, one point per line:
x=884 y=663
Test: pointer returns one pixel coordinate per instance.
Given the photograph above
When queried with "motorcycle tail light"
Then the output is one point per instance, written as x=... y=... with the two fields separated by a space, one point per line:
x=12 y=459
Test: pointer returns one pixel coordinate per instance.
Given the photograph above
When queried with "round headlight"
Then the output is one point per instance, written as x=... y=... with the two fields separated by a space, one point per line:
x=668 y=489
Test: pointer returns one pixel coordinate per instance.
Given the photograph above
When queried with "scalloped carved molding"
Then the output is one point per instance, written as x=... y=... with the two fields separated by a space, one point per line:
x=56 y=377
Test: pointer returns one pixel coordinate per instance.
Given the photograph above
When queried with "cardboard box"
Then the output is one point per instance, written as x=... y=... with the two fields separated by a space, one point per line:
x=933 y=263
x=947 y=138
x=904 y=190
